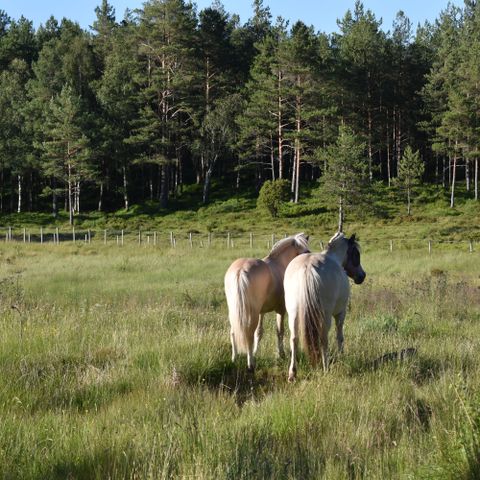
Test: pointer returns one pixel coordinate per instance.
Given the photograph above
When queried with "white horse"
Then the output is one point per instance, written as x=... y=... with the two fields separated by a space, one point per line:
x=254 y=287
x=317 y=288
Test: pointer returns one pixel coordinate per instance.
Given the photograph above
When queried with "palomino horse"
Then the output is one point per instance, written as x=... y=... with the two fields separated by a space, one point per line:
x=254 y=287
x=317 y=288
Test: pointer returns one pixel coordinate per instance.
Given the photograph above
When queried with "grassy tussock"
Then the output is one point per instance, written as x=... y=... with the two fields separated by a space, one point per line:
x=115 y=363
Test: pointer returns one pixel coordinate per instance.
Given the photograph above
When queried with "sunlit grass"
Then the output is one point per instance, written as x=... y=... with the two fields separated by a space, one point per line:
x=115 y=363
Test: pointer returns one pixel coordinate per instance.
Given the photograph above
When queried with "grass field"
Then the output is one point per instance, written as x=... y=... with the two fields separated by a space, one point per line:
x=115 y=363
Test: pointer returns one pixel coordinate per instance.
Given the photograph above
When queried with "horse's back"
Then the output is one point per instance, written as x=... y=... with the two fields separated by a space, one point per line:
x=319 y=272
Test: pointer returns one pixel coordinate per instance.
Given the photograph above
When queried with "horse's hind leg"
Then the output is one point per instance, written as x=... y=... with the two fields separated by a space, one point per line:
x=258 y=335
x=292 y=370
x=339 y=319
x=234 y=346
x=280 y=350
x=324 y=347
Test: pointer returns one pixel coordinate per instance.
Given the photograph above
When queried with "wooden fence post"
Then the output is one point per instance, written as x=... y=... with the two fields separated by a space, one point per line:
x=122 y=237
x=139 y=237
x=429 y=247
x=24 y=235
x=41 y=234
x=73 y=234
x=58 y=237
x=190 y=239
x=391 y=246
x=228 y=240
x=470 y=246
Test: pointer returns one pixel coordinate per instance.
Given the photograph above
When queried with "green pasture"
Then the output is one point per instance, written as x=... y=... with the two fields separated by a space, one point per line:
x=115 y=363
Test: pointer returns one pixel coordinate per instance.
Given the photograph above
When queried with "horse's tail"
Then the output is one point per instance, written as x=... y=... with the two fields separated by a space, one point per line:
x=240 y=309
x=311 y=317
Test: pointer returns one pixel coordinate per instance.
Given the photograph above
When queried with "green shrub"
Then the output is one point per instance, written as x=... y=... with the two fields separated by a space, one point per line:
x=272 y=194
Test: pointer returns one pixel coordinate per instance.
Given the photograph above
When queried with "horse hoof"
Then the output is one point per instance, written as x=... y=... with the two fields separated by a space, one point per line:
x=291 y=378
x=251 y=370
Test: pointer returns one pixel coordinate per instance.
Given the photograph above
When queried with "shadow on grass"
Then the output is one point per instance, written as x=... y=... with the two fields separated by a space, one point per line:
x=230 y=378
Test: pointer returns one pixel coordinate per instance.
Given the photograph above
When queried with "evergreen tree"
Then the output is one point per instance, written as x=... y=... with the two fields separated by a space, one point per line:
x=410 y=171
x=347 y=172
x=65 y=148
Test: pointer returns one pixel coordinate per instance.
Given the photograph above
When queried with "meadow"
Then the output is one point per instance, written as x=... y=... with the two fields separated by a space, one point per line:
x=115 y=363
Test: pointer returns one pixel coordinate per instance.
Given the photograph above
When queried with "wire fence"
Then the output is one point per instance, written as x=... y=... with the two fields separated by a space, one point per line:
x=228 y=240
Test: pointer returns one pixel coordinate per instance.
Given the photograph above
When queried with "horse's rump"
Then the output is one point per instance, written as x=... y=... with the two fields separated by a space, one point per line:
x=241 y=287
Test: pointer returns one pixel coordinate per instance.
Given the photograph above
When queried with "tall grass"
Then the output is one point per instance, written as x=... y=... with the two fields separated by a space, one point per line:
x=115 y=363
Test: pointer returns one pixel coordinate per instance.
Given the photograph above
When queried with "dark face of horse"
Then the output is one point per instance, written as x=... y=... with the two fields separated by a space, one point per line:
x=352 y=262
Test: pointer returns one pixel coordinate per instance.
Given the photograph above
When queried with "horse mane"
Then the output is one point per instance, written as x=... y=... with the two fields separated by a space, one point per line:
x=337 y=238
x=281 y=245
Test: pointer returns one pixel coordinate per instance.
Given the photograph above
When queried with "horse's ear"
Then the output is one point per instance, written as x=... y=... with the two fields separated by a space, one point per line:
x=351 y=240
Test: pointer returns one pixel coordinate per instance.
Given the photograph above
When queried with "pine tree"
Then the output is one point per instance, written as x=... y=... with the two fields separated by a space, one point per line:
x=410 y=171
x=347 y=172
x=65 y=148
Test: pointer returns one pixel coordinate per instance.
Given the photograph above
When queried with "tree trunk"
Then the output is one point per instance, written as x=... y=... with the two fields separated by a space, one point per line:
x=207 y=184
x=100 y=197
x=54 y=199
x=452 y=196
x=341 y=214
x=272 y=157
x=476 y=179
x=280 y=128
x=19 y=203
x=125 y=187
x=389 y=173
x=467 y=174
x=70 y=194
x=164 y=187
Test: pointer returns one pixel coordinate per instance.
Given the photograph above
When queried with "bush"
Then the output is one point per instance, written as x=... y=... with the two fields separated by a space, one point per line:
x=272 y=194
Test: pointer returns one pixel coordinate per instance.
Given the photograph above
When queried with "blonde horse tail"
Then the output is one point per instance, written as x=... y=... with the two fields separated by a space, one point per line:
x=311 y=318
x=240 y=311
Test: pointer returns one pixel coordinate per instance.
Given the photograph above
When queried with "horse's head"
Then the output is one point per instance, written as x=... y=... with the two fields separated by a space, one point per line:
x=352 y=264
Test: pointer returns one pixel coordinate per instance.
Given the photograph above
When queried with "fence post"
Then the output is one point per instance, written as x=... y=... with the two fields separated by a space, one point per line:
x=41 y=234
x=29 y=240
x=122 y=237
x=9 y=234
x=86 y=238
x=58 y=237
x=89 y=236
x=73 y=234
x=171 y=239
x=391 y=246
x=139 y=237
x=228 y=240
x=24 y=235
x=470 y=246
x=429 y=247
x=154 y=238
x=190 y=239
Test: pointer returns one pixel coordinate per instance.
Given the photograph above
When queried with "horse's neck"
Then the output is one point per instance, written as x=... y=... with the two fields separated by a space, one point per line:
x=280 y=261
x=338 y=252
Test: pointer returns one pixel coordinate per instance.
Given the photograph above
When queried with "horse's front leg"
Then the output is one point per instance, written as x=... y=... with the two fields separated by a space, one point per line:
x=258 y=334
x=280 y=331
x=339 y=319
